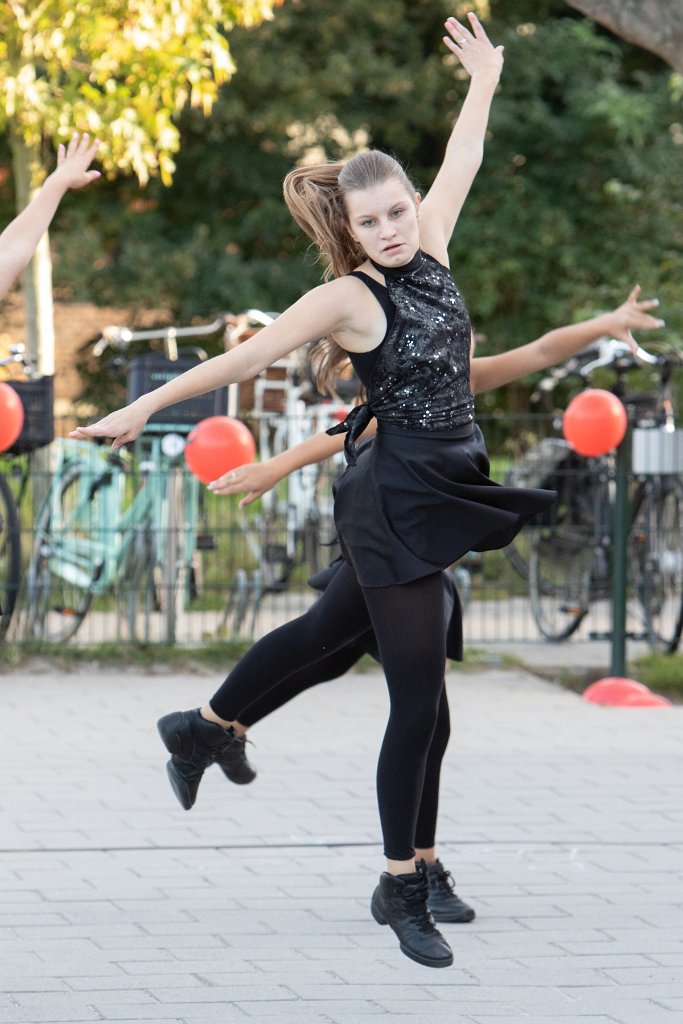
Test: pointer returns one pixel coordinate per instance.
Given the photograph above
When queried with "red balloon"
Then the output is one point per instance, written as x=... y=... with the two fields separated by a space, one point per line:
x=595 y=422
x=11 y=416
x=217 y=445
x=645 y=700
x=614 y=691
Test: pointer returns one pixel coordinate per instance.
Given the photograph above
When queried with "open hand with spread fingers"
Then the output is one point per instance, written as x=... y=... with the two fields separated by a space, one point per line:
x=74 y=159
x=631 y=315
x=473 y=48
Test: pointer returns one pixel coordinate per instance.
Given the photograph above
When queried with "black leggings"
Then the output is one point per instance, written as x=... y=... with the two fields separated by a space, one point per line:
x=408 y=621
x=332 y=667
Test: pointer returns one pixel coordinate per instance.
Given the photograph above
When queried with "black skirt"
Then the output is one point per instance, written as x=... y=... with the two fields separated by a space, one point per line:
x=416 y=501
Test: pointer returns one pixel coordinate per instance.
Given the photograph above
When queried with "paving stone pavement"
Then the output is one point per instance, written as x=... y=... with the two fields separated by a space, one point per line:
x=561 y=820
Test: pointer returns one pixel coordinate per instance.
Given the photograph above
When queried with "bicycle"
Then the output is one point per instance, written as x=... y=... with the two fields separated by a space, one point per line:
x=36 y=394
x=96 y=530
x=294 y=524
x=569 y=550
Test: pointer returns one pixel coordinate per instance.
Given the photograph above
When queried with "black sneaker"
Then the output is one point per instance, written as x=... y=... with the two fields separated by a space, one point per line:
x=445 y=905
x=401 y=902
x=234 y=764
x=194 y=744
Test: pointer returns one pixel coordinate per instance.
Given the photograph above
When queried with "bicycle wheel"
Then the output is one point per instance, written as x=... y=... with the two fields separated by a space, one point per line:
x=550 y=464
x=560 y=563
x=172 y=565
x=10 y=556
x=321 y=545
x=61 y=572
x=657 y=545
x=136 y=592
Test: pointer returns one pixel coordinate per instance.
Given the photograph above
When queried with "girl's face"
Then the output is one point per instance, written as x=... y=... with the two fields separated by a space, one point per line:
x=384 y=221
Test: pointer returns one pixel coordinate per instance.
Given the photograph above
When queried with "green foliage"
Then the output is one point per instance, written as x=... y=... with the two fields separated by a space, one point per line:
x=663 y=673
x=118 y=69
x=580 y=195
x=207 y=658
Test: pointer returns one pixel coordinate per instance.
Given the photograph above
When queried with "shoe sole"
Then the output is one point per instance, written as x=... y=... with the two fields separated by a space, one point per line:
x=179 y=787
x=451 y=919
x=237 y=782
x=425 y=961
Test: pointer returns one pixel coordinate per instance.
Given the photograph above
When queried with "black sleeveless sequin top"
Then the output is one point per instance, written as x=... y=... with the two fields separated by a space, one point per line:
x=421 y=377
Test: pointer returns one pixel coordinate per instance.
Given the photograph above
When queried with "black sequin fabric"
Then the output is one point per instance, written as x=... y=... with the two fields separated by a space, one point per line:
x=421 y=380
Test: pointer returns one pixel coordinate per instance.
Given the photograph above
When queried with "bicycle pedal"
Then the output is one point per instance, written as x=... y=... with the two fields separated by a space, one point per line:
x=275 y=553
x=206 y=542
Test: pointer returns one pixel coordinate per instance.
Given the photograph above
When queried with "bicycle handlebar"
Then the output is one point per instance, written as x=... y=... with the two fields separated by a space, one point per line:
x=17 y=354
x=612 y=351
x=606 y=352
x=121 y=337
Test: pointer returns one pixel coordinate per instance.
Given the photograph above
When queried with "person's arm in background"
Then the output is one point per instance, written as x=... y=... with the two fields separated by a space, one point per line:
x=254 y=479
x=19 y=239
x=489 y=372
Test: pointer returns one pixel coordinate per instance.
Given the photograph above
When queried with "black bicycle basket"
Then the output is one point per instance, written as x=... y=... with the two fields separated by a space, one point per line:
x=550 y=465
x=37 y=398
x=152 y=369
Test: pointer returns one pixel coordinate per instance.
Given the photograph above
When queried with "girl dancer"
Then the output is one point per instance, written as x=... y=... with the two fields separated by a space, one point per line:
x=254 y=479
x=405 y=509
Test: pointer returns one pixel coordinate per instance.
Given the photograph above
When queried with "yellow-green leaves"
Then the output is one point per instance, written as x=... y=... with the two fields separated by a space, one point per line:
x=120 y=69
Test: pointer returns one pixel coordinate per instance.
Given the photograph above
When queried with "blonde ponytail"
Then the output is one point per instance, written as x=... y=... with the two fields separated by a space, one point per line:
x=315 y=197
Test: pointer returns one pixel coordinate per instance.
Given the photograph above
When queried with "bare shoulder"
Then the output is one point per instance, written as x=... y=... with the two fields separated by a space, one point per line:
x=365 y=322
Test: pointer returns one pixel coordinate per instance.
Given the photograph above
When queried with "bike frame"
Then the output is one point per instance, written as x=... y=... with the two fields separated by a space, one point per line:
x=95 y=557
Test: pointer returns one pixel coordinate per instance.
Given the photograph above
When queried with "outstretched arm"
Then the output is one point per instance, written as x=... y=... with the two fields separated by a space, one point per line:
x=464 y=152
x=489 y=372
x=254 y=479
x=19 y=239
x=324 y=310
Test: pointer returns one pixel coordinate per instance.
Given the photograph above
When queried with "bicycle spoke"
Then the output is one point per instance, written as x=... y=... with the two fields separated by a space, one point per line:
x=64 y=565
x=658 y=564
x=560 y=562
x=9 y=556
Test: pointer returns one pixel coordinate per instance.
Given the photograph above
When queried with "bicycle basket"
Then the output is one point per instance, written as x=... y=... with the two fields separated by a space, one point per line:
x=151 y=370
x=656 y=451
x=37 y=398
x=541 y=465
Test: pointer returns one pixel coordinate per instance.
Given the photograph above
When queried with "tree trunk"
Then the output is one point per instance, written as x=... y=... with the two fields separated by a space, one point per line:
x=37 y=288
x=655 y=25
x=37 y=278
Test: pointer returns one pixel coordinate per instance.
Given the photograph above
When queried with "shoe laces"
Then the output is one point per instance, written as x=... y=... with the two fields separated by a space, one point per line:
x=202 y=759
x=236 y=750
x=414 y=897
x=441 y=878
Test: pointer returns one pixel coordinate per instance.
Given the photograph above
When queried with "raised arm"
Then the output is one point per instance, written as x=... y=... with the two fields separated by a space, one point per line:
x=489 y=372
x=464 y=153
x=19 y=239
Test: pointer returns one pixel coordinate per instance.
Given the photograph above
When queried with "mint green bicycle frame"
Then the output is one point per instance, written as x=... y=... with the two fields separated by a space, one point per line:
x=99 y=536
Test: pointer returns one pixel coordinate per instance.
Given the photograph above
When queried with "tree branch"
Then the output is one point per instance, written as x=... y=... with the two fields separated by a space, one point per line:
x=655 y=25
